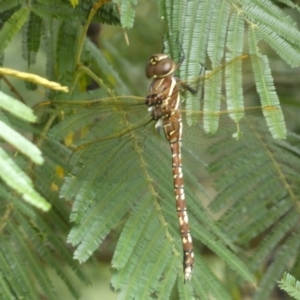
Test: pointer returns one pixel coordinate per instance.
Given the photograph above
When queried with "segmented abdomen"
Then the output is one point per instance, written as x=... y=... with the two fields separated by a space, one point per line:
x=173 y=131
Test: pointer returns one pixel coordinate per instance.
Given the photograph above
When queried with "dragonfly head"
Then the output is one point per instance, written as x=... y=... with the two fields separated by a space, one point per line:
x=160 y=65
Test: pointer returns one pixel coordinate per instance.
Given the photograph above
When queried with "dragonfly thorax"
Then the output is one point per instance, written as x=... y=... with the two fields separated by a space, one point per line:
x=158 y=112
x=160 y=65
x=162 y=97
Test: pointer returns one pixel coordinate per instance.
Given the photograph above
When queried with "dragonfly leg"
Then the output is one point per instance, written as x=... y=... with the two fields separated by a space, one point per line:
x=182 y=57
x=184 y=85
x=187 y=87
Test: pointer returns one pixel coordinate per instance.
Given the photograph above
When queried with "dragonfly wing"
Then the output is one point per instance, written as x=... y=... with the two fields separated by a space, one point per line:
x=196 y=141
x=215 y=89
x=122 y=157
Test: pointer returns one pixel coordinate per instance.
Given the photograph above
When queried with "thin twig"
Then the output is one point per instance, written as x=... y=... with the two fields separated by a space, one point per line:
x=13 y=89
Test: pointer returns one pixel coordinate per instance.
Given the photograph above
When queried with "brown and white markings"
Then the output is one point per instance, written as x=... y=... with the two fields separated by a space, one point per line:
x=114 y=146
x=163 y=99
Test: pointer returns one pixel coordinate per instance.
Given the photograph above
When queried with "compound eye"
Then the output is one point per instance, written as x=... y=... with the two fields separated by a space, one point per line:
x=149 y=71
x=160 y=65
x=165 y=67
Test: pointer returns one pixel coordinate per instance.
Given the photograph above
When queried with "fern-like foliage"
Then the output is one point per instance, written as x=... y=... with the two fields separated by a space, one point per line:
x=289 y=284
x=119 y=180
x=31 y=240
x=11 y=173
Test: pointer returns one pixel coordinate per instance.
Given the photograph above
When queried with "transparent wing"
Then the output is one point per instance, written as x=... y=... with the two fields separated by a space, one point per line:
x=230 y=97
x=114 y=134
x=117 y=139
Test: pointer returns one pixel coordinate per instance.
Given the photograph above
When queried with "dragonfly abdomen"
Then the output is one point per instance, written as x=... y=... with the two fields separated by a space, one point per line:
x=173 y=131
x=163 y=99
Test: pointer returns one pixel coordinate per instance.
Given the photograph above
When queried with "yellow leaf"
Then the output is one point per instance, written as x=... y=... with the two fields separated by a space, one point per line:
x=74 y=3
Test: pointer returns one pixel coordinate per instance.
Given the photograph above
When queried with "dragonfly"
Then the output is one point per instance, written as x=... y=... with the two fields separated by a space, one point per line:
x=164 y=109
